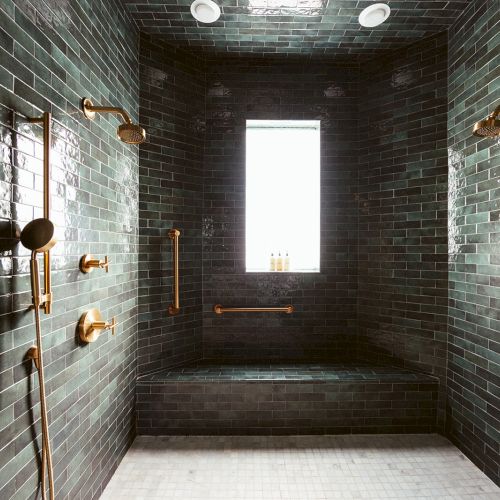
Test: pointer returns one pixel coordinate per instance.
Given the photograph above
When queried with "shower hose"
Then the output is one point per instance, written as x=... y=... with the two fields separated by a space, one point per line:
x=46 y=453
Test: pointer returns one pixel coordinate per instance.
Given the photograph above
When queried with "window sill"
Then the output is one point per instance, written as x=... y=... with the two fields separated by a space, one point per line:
x=293 y=271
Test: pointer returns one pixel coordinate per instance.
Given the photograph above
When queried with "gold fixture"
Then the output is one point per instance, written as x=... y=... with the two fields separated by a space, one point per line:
x=33 y=355
x=91 y=325
x=88 y=263
x=127 y=132
x=175 y=307
x=218 y=309
x=46 y=121
x=490 y=126
x=38 y=236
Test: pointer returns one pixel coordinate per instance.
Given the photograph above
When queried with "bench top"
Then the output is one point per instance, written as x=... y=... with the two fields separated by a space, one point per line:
x=310 y=372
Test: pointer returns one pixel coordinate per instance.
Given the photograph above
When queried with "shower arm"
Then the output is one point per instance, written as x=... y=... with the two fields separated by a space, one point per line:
x=89 y=109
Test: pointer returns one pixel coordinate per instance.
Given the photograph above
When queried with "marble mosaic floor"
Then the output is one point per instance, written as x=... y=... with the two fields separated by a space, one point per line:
x=297 y=468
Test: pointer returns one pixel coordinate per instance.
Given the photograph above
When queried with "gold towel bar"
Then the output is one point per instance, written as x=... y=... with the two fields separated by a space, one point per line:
x=218 y=309
x=175 y=307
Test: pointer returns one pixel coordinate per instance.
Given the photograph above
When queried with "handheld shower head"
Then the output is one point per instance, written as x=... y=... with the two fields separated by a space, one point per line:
x=128 y=132
x=38 y=235
x=489 y=127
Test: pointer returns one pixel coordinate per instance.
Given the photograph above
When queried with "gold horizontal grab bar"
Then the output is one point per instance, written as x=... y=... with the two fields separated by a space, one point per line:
x=218 y=309
x=175 y=307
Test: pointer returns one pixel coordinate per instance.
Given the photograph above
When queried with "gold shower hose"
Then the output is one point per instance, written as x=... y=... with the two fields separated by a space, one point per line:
x=46 y=452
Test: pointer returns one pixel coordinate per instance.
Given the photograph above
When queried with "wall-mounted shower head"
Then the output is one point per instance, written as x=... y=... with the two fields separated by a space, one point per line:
x=131 y=133
x=489 y=127
x=128 y=132
x=38 y=235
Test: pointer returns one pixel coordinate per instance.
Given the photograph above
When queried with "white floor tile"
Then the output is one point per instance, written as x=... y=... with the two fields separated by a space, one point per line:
x=398 y=467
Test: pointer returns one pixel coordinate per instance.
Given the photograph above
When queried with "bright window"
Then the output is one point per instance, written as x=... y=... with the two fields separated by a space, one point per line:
x=283 y=194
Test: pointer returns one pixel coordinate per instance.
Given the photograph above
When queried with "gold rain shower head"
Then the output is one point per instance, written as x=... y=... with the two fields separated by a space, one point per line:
x=489 y=127
x=127 y=132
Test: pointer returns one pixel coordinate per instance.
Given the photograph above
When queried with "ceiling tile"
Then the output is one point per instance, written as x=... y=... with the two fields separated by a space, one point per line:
x=312 y=27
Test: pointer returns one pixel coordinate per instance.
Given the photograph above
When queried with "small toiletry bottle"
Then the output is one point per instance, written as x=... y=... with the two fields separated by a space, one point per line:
x=286 y=266
x=272 y=263
x=279 y=263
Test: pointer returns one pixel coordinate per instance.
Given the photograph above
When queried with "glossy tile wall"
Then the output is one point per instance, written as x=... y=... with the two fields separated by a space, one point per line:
x=474 y=238
x=323 y=28
x=172 y=108
x=324 y=324
x=52 y=54
x=403 y=287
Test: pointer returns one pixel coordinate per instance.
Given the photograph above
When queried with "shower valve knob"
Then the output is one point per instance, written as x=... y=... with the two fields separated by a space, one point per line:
x=91 y=325
x=88 y=263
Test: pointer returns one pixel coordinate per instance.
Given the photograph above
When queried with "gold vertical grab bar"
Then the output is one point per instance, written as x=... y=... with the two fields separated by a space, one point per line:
x=218 y=309
x=175 y=308
x=46 y=121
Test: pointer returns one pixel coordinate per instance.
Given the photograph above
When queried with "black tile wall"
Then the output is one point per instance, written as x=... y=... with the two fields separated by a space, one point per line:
x=51 y=55
x=286 y=407
x=402 y=287
x=323 y=326
x=172 y=108
x=474 y=242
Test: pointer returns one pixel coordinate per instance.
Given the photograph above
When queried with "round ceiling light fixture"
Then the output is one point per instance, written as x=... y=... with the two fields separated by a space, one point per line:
x=374 y=15
x=205 y=11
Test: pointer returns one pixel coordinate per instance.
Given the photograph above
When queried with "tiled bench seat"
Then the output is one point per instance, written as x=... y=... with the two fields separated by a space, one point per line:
x=223 y=399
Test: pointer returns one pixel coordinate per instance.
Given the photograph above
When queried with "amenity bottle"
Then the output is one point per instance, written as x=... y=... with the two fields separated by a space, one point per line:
x=272 y=263
x=279 y=263
x=286 y=265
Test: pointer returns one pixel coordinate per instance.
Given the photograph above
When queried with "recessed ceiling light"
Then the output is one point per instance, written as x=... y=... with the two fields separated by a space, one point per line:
x=205 y=11
x=374 y=15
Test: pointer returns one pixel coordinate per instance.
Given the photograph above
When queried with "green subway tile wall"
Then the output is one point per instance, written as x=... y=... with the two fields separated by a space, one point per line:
x=402 y=193
x=474 y=238
x=51 y=55
x=394 y=289
x=172 y=108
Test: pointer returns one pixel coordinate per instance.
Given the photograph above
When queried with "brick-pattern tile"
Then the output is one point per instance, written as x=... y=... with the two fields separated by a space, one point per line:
x=403 y=287
x=474 y=243
x=323 y=326
x=295 y=27
x=172 y=108
x=51 y=55
x=284 y=407
x=321 y=372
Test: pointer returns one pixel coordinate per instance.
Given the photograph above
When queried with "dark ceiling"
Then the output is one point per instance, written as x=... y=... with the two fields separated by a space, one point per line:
x=316 y=27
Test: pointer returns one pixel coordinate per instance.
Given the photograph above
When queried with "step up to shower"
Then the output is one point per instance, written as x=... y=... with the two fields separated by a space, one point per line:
x=223 y=399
